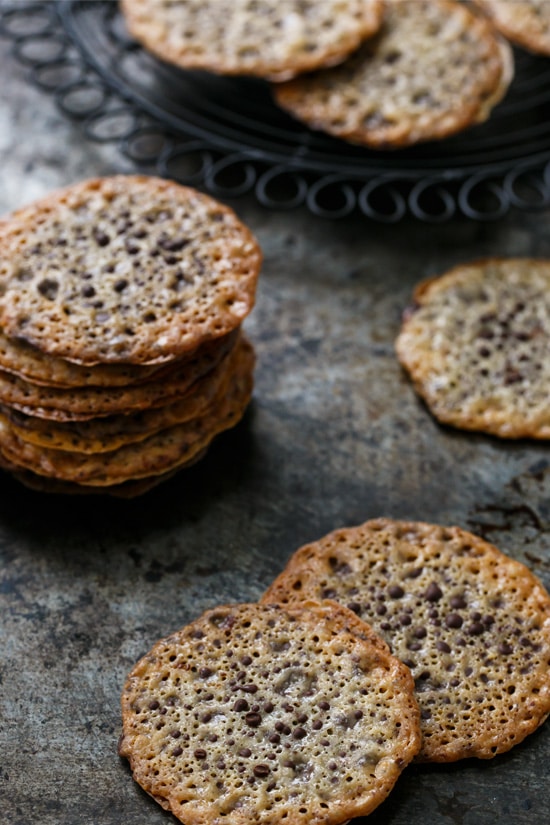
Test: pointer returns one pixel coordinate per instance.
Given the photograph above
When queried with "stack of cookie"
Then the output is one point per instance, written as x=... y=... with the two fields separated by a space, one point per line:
x=121 y=355
x=382 y=73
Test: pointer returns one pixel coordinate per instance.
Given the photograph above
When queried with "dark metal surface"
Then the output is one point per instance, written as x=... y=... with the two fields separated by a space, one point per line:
x=335 y=435
x=226 y=133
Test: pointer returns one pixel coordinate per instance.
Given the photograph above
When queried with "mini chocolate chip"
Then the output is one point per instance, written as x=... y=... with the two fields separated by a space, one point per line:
x=457 y=602
x=101 y=238
x=205 y=672
x=268 y=707
x=414 y=573
x=200 y=753
x=453 y=620
x=253 y=720
x=279 y=726
x=414 y=646
x=245 y=752
x=324 y=705
x=173 y=244
x=120 y=285
x=299 y=733
x=475 y=629
x=261 y=770
x=250 y=688
x=317 y=724
x=433 y=592
x=488 y=620
x=175 y=734
x=420 y=632
x=358 y=714
x=404 y=620
x=395 y=591
x=246 y=660
x=381 y=610
x=302 y=717
x=505 y=648
x=385 y=626
x=206 y=717
x=355 y=606
x=332 y=766
x=88 y=292
x=177 y=752
x=409 y=663
x=240 y=705
x=275 y=738
x=153 y=705
x=443 y=647
x=328 y=593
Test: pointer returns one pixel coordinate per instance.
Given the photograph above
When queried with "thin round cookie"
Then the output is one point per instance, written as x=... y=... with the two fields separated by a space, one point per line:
x=434 y=69
x=105 y=434
x=128 y=269
x=272 y=39
x=472 y=624
x=259 y=713
x=476 y=344
x=82 y=403
x=167 y=450
x=524 y=22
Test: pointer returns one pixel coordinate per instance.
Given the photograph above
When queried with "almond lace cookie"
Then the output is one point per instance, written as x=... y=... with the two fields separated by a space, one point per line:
x=472 y=624
x=274 y=39
x=524 y=22
x=434 y=69
x=476 y=344
x=129 y=269
x=261 y=713
x=163 y=451
x=121 y=358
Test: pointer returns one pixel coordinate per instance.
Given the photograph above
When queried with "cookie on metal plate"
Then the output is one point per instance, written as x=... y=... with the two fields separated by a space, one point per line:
x=476 y=343
x=434 y=69
x=524 y=22
x=472 y=624
x=261 y=713
x=273 y=39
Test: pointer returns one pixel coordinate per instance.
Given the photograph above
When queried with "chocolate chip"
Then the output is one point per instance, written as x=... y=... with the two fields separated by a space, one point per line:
x=324 y=705
x=121 y=285
x=299 y=733
x=200 y=753
x=355 y=607
x=433 y=592
x=395 y=591
x=205 y=672
x=173 y=244
x=302 y=717
x=505 y=649
x=443 y=647
x=475 y=629
x=101 y=238
x=420 y=632
x=457 y=602
x=240 y=705
x=153 y=705
x=381 y=610
x=206 y=717
x=453 y=620
x=404 y=620
x=177 y=752
x=250 y=688
x=317 y=724
x=261 y=770
x=275 y=738
x=245 y=752
x=253 y=720
x=246 y=660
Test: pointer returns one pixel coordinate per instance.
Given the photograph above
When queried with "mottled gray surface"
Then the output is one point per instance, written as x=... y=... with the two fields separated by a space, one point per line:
x=335 y=436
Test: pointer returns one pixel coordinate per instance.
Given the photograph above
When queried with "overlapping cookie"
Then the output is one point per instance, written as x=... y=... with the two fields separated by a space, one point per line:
x=472 y=624
x=524 y=22
x=261 y=713
x=434 y=69
x=273 y=39
x=476 y=343
x=121 y=301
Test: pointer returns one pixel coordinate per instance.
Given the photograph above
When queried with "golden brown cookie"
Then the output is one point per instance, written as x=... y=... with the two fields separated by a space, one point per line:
x=524 y=22
x=82 y=403
x=158 y=454
x=273 y=39
x=260 y=713
x=105 y=434
x=434 y=69
x=476 y=344
x=127 y=269
x=472 y=624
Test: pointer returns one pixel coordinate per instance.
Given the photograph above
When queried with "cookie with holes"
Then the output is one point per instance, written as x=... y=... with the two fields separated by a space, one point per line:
x=475 y=343
x=128 y=269
x=272 y=39
x=525 y=22
x=261 y=713
x=472 y=624
x=433 y=69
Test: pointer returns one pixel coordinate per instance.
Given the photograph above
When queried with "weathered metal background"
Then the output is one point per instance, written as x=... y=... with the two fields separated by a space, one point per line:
x=334 y=436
